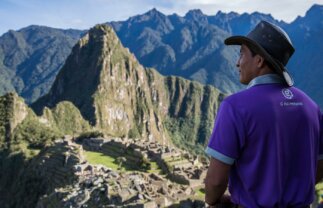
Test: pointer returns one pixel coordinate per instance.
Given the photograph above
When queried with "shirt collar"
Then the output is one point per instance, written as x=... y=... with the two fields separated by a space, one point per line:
x=265 y=79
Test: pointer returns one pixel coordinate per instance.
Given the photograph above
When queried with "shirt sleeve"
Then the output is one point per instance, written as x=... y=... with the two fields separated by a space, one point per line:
x=227 y=138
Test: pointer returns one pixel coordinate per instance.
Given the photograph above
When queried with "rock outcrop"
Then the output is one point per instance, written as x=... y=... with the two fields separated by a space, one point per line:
x=13 y=111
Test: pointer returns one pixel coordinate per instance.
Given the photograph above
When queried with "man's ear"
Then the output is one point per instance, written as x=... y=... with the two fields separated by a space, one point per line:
x=260 y=61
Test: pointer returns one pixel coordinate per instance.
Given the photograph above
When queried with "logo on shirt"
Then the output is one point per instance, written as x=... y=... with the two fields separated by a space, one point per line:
x=287 y=93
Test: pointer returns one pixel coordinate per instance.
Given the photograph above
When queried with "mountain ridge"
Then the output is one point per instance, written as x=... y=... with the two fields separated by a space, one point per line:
x=176 y=46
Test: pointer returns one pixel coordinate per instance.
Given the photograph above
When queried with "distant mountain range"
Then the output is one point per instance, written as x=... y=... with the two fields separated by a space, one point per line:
x=307 y=63
x=31 y=57
x=190 y=46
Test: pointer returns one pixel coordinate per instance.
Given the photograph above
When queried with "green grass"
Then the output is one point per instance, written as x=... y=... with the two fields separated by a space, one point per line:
x=97 y=158
x=319 y=191
x=154 y=168
x=200 y=193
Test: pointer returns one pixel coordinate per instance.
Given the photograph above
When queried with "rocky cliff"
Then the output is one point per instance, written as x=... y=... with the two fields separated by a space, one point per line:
x=12 y=112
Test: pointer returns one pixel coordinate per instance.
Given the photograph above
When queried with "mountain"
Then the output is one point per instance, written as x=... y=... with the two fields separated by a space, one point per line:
x=238 y=24
x=190 y=46
x=117 y=95
x=306 y=64
x=31 y=57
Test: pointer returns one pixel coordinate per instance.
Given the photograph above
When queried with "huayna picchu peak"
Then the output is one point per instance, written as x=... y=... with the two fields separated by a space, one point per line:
x=117 y=95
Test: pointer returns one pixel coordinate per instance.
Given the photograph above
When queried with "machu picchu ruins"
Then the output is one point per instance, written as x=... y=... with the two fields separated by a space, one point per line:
x=178 y=180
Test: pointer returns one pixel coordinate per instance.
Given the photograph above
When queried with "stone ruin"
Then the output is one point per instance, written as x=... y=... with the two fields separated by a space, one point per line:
x=179 y=165
x=87 y=185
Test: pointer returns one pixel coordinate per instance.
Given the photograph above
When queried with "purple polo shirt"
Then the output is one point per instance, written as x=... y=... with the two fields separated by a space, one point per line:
x=271 y=134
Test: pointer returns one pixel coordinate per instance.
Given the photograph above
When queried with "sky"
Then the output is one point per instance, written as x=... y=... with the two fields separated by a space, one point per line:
x=83 y=14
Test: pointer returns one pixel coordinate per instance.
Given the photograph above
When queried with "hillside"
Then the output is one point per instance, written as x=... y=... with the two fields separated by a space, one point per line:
x=23 y=136
x=31 y=57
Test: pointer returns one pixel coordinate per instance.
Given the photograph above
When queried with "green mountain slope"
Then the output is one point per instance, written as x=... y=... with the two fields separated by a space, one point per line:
x=31 y=57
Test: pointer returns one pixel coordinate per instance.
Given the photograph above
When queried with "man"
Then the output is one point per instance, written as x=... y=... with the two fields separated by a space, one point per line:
x=267 y=139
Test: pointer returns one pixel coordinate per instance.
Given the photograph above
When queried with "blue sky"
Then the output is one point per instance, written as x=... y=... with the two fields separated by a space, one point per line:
x=83 y=14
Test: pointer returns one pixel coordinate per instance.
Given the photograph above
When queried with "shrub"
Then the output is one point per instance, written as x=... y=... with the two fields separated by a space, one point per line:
x=89 y=134
x=36 y=135
x=133 y=133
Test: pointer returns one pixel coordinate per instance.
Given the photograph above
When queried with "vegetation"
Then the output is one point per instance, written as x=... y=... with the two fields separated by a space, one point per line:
x=68 y=118
x=98 y=158
x=200 y=193
x=154 y=168
x=319 y=192
x=89 y=134
x=120 y=163
x=191 y=113
x=34 y=133
x=38 y=50
x=183 y=134
x=133 y=133
x=27 y=136
x=6 y=112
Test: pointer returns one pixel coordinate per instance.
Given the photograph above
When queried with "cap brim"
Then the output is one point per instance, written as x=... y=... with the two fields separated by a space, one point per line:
x=239 y=40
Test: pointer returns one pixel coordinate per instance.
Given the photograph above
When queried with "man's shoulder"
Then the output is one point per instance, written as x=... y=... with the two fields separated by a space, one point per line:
x=300 y=92
x=305 y=97
x=238 y=97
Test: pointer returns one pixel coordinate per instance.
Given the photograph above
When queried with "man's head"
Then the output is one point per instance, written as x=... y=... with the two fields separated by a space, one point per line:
x=269 y=47
x=251 y=64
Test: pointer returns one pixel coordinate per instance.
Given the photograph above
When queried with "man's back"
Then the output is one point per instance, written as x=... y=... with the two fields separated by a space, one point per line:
x=277 y=147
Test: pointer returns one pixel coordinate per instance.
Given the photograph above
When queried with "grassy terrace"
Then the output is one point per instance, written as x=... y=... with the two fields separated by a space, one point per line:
x=98 y=158
x=154 y=168
x=200 y=194
x=319 y=191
